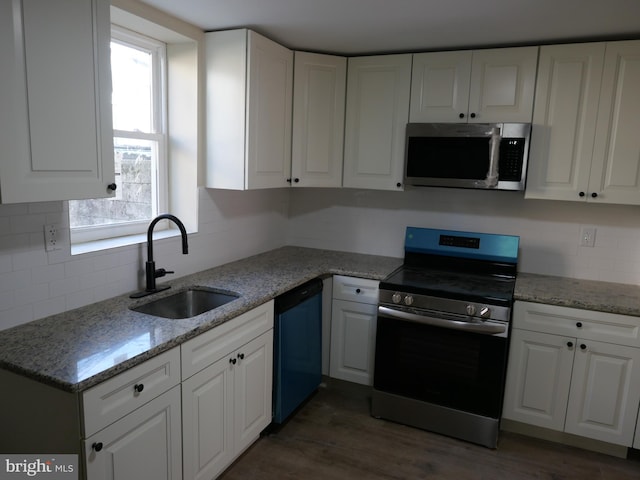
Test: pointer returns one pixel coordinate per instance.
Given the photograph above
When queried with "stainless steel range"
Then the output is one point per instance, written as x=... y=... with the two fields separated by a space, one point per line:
x=443 y=333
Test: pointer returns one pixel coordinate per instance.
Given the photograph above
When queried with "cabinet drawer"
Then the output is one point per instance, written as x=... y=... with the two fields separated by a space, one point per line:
x=118 y=396
x=355 y=289
x=205 y=349
x=573 y=322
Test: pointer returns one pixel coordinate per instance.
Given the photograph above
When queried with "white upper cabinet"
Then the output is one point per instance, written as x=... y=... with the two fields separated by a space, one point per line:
x=319 y=91
x=584 y=143
x=249 y=102
x=55 y=102
x=377 y=111
x=564 y=121
x=615 y=168
x=479 y=86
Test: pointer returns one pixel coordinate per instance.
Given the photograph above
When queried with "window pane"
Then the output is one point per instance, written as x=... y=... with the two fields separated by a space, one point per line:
x=132 y=77
x=134 y=196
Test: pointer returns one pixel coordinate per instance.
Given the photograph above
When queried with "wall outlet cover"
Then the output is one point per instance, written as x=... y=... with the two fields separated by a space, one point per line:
x=588 y=237
x=51 y=239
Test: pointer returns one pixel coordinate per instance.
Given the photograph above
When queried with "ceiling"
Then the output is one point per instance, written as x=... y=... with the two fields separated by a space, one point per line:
x=381 y=26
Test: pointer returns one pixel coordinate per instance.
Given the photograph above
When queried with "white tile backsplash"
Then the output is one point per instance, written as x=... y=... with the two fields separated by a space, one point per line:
x=233 y=225
x=35 y=283
x=374 y=222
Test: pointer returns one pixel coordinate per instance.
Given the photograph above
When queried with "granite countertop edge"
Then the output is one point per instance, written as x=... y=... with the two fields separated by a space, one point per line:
x=49 y=350
x=608 y=297
x=53 y=350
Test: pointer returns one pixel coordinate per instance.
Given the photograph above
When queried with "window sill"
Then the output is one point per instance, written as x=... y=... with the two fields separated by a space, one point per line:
x=110 y=243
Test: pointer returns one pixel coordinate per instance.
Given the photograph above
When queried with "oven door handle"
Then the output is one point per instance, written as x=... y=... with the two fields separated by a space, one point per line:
x=482 y=328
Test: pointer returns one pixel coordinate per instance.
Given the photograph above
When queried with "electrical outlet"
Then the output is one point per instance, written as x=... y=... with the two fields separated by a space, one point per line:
x=51 y=240
x=588 y=237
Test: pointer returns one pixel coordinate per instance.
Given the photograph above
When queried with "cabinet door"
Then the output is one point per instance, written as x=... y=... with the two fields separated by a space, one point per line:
x=440 y=86
x=207 y=421
x=615 y=170
x=253 y=376
x=564 y=121
x=144 y=444
x=502 y=85
x=55 y=127
x=538 y=378
x=269 y=104
x=377 y=112
x=605 y=392
x=318 y=120
x=353 y=337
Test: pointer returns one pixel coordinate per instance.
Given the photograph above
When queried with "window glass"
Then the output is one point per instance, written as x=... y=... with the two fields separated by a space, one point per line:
x=132 y=83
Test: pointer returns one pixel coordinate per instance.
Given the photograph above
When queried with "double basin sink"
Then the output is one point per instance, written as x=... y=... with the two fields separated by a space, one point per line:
x=187 y=303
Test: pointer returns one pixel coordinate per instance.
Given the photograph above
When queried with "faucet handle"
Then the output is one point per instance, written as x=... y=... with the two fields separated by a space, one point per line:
x=161 y=272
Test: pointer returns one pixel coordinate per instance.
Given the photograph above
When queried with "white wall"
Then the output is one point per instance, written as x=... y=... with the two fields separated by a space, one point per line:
x=35 y=283
x=374 y=222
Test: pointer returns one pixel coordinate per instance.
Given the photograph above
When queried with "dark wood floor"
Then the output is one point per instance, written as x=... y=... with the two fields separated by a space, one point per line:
x=333 y=437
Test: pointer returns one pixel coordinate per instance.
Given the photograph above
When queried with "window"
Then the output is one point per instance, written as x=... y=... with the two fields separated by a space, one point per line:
x=138 y=66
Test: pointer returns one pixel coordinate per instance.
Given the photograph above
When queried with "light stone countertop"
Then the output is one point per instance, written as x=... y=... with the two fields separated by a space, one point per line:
x=78 y=349
x=620 y=298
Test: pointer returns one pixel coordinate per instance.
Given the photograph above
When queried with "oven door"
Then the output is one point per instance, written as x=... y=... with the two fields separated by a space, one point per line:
x=438 y=359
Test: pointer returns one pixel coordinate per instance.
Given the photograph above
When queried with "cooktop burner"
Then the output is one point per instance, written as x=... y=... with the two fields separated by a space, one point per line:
x=482 y=288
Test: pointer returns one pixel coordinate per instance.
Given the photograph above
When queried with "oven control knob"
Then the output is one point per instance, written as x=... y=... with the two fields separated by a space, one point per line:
x=396 y=298
x=408 y=300
x=471 y=310
x=485 y=312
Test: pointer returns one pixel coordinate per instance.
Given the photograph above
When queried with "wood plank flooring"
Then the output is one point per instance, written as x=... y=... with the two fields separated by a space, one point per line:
x=333 y=437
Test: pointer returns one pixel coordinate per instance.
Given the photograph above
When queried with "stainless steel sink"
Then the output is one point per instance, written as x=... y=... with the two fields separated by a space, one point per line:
x=187 y=303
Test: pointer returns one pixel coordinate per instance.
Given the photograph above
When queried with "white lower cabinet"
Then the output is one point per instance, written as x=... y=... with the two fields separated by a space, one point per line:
x=185 y=413
x=574 y=384
x=132 y=423
x=353 y=329
x=227 y=404
x=144 y=444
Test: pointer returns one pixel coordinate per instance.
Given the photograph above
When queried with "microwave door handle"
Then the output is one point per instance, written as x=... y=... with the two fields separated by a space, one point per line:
x=494 y=156
x=484 y=328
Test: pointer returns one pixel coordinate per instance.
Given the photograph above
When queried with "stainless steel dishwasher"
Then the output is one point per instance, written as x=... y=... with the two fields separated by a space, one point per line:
x=297 y=354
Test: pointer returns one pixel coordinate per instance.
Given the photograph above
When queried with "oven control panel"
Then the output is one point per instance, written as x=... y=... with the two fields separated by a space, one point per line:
x=458 y=307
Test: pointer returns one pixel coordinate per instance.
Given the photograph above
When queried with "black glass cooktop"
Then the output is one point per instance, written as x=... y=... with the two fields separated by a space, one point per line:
x=471 y=287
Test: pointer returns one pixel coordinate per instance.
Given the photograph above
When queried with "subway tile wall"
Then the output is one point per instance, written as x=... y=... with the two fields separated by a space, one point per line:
x=35 y=283
x=374 y=222
x=232 y=225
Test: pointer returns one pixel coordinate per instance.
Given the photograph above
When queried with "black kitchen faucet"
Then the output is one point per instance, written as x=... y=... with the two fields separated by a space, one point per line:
x=150 y=267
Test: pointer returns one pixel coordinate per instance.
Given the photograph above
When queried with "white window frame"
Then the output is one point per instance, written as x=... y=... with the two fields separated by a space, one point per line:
x=160 y=168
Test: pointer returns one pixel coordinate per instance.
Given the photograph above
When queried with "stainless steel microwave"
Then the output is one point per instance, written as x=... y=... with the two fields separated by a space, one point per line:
x=469 y=155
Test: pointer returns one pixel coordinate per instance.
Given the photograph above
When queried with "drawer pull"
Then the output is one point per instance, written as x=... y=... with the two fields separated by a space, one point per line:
x=358 y=290
x=583 y=346
x=232 y=361
x=138 y=387
x=570 y=344
x=97 y=446
x=579 y=324
x=241 y=356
